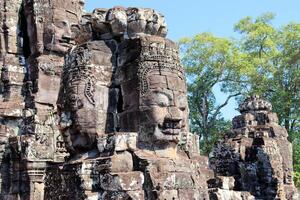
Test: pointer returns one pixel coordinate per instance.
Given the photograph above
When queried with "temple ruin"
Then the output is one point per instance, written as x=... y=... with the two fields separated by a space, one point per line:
x=94 y=106
x=256 y=155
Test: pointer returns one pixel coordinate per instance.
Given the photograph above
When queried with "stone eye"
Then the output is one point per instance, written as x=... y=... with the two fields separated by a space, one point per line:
x=62 y=24
x=182 y=108
x=163 y=104
x=162 y=100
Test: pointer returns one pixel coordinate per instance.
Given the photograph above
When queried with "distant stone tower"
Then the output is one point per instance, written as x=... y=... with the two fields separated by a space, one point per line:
x=256 y=156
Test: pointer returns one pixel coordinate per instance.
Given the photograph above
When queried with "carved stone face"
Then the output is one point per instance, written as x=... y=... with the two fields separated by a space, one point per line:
x=49 y=24
x=84 y=96
x=164 y=107
x=58 y=29
x=59 y=36
x=79 y=111
x=153 y=90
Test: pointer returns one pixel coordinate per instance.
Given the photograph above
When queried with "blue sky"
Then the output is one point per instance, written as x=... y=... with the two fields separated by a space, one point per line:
x=188 y=17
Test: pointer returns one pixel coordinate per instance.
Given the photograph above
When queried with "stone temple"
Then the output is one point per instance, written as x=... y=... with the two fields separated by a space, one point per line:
x=94 y=106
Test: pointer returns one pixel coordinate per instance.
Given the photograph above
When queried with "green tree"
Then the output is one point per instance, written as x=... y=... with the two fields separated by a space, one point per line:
x=209 y=63
x=264 y=60
x=276 y=56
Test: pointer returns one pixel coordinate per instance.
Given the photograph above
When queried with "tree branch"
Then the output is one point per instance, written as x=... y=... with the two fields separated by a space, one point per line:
x=222 y=105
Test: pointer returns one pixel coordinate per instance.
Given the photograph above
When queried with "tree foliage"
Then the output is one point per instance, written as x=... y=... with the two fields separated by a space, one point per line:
x=209 y=62
x=275 y=54
x=275 y=57
x=264 y=60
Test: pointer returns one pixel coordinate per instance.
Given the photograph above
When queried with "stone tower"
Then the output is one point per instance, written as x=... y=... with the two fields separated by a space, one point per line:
x=256 y=156
x=123 y=114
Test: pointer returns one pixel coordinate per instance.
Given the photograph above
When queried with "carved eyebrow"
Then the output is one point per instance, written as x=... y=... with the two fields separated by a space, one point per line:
x=182 y=100
x=164 y=93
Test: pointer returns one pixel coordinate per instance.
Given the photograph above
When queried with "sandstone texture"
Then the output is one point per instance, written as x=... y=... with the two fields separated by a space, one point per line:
x=94 y=106
x=255 y=156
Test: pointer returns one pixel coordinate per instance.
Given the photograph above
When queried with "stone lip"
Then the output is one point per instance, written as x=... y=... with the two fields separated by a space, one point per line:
x=254 y=103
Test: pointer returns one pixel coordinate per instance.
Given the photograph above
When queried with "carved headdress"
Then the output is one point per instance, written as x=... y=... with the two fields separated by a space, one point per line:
x=158 y=55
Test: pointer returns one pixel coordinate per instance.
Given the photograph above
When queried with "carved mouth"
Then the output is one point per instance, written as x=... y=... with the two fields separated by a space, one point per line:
x=171 y=127
x=65 y=41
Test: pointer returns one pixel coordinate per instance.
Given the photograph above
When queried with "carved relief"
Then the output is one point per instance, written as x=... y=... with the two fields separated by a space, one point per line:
x=38 y=147
x=262 y=163
x=84 y=95
x=160 y=111
x=128 y=23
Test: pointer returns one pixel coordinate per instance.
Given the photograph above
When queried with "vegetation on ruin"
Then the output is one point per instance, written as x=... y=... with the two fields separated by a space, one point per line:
x=263 y=60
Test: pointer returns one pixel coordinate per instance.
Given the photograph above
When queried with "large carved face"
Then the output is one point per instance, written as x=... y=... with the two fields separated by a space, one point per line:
x=164 y=107
x=84 y=94
x=153 y=90
x=78 y=119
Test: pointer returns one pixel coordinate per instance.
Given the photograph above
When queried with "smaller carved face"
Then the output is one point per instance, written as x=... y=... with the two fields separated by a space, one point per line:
x=164 y=108
x=84 y=96
x=82 y=128
x=58 y=36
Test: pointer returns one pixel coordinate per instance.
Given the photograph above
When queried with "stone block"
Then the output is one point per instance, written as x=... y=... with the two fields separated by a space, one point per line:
x=189 y=142
x=12 y=39
x=168 y=195
x=222 y=182
x=11 y=109
x=128 y=181
x=125 y=141
x=48 y=87
x=131 y=181
x=136 y=195
x=220 y=194
x=122 y=162
x=172 y=180
x=191 y=194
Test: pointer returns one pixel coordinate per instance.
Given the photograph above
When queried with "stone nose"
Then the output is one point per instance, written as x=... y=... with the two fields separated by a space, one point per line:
x=174 y=114
x=67 y=35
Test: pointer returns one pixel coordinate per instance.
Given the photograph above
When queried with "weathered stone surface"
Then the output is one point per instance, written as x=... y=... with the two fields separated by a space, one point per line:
x=256 y=156
x=222 y=182
x=34 y=36
x=138 y=80
x=122 y=162
x=219 y=194
x=84 y=95
x=161 y=112
x=94 y=106
x=127 y=22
